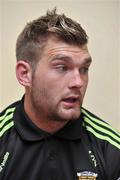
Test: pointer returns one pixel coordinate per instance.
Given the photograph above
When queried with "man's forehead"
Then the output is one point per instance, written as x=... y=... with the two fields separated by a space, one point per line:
x=55 y=44
x=72 y=49
x=66 y=49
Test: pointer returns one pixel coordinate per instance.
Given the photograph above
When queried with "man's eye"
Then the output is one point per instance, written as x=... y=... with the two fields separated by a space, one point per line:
x=84 y=70
x=61 y=68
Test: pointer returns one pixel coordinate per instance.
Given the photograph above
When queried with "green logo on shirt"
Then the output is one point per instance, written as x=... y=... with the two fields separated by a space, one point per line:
x=5 y=158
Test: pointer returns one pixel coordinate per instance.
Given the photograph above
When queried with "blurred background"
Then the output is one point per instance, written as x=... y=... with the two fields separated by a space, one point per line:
x=100 y=19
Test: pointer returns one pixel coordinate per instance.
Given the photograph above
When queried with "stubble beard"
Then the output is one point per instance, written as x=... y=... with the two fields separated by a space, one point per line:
x=45 y=110
x=61 y=115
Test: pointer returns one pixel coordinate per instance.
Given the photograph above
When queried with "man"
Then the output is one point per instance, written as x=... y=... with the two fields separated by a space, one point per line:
x=48 y=135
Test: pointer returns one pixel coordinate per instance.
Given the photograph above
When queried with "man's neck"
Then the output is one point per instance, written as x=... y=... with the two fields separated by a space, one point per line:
x=41 y=122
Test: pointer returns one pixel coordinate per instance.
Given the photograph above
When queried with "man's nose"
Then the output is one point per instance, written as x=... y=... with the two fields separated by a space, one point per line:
x=76 y=80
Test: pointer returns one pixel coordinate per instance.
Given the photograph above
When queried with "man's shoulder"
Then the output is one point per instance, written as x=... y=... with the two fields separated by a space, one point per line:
x=100 y=129
x=9 y=108
x=6 y=118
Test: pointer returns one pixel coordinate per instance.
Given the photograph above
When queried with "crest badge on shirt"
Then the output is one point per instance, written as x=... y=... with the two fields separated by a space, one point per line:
x=87 y=175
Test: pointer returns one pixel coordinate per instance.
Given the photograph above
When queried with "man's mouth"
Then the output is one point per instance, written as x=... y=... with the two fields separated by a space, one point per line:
x=71 y=101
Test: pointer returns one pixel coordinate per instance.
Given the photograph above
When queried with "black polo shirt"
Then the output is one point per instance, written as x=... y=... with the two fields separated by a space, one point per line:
x=75 y=152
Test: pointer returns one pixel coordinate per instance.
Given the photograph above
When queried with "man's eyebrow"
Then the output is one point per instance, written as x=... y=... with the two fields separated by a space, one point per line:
x=62 y=57
x=88 y=60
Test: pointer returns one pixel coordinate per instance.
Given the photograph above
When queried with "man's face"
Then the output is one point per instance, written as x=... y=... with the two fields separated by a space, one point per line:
x=60 y=80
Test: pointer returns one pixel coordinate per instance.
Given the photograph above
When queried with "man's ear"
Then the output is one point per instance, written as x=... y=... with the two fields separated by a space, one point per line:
x=24 y=73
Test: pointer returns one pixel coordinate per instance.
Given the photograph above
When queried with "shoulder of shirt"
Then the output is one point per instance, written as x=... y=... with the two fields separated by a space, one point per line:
x=100 y=129
x=6 y=118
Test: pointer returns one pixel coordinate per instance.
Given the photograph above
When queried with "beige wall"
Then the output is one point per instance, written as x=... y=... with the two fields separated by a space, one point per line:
x=0 y=61
x=100 y=18
x=119 y=65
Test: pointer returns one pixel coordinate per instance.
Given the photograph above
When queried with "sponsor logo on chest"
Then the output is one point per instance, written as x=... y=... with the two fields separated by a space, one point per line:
x=87 y=175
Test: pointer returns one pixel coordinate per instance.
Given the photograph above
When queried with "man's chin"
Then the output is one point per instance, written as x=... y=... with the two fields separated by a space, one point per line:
x=73 y=117
x=69 y=116
x=65 y=115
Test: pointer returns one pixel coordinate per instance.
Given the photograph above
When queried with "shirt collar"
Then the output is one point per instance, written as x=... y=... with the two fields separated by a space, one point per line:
x=30 y=132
